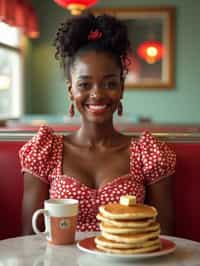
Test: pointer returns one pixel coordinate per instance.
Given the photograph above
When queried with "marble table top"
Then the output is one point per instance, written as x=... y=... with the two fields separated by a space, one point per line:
x=35 y=251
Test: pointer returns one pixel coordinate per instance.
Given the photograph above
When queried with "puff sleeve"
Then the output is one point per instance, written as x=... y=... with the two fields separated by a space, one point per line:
x=158 y=160
x=39 y=155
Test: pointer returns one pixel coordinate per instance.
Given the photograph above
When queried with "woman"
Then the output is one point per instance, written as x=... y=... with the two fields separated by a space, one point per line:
x=96 y=164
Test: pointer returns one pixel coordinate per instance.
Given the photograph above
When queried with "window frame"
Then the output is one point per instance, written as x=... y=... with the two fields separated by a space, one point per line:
x=16 y=95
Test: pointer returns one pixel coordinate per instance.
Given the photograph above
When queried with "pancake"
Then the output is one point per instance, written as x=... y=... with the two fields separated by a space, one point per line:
x=133 y=212
x=102 y=241
x=117 y=230
x=126 y=223
x=128 y=227
x=132 y=238
x=131 y=250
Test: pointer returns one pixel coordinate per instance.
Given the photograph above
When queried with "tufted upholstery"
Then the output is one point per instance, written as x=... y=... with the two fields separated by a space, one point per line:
x=186 y=189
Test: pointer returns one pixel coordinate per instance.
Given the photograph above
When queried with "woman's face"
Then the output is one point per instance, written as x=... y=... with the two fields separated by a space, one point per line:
x=96 y=86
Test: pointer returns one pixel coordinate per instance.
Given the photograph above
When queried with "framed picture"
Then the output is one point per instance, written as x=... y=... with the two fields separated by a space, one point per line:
x=152 y=37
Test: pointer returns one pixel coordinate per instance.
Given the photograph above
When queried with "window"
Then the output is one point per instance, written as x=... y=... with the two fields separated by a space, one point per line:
x=11 y=72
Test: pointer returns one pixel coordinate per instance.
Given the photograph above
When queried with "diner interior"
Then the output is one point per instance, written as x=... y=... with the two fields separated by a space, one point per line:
x=161 y=94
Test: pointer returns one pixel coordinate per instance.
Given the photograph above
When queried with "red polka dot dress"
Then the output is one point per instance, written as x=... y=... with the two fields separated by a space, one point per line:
x=150 y=161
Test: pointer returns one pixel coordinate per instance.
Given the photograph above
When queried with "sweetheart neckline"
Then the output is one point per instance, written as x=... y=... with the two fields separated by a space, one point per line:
x=96 y=189
x=61 y=174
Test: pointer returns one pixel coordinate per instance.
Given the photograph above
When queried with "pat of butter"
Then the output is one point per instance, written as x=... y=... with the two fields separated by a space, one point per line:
x=128 y=200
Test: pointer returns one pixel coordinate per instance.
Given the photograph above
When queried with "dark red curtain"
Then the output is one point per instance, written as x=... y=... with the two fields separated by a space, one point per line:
x=20 y=13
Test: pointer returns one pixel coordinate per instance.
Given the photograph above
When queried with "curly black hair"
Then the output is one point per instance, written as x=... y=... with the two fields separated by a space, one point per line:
x=72 y=39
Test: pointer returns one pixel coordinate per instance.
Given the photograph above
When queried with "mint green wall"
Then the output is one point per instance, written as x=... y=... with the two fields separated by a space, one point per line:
x=45 y=84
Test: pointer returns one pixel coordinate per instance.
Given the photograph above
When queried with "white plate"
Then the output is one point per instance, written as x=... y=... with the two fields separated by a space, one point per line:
x=88 y=245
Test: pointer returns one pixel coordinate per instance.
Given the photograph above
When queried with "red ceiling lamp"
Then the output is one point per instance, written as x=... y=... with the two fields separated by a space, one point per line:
x=32 y=28
x=151 y=51
x=76 y=7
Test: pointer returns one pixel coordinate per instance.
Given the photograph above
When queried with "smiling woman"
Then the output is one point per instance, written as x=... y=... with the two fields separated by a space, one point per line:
x=97 y=164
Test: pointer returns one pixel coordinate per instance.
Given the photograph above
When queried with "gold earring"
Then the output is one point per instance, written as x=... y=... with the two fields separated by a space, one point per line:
x=120 y=109
x=71 y=109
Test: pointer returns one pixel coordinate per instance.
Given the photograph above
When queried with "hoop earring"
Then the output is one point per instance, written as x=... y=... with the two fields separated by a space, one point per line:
x=71 y=109
x=120 y=109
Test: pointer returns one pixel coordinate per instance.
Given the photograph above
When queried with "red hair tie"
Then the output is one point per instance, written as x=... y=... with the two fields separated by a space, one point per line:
x=94 y=35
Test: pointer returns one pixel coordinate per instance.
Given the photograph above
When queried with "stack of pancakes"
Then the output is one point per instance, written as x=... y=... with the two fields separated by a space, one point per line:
x=128 y=228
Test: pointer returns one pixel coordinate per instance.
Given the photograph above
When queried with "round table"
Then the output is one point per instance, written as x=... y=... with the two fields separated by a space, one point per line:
x=35 y=251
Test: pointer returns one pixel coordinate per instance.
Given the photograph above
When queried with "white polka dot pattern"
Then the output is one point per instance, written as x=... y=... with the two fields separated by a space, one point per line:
x=150 y=160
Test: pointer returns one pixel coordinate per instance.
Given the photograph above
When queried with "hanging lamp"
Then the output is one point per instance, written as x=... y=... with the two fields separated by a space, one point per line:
x=151 y=51
x=76 y=7
x=31 y=29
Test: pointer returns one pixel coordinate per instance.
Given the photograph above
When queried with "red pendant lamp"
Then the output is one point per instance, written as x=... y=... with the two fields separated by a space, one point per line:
x=151 y=51
x=76 y=6
x=31 y=29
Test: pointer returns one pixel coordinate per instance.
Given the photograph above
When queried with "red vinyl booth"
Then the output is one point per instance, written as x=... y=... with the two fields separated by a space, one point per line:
x=186 y=189
x=11 y=189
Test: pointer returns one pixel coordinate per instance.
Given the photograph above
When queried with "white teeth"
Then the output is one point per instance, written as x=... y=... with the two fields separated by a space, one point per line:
x=97 y=107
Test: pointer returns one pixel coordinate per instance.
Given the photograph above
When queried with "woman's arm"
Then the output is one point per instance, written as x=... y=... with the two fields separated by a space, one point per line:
x=160 y=196
x=35 y=192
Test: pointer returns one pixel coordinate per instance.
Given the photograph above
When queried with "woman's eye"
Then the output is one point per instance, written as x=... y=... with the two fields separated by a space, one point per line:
x=84 y=85
x=112 y=85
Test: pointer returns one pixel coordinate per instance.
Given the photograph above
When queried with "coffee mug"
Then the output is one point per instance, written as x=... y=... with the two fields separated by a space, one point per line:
x=60 y=217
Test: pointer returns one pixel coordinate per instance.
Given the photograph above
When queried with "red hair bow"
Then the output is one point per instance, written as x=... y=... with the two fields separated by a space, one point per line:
x=94 y=35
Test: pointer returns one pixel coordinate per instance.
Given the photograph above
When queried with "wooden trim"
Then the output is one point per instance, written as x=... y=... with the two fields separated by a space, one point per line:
x=168 y=137
x=141 y=9
x=9 y=47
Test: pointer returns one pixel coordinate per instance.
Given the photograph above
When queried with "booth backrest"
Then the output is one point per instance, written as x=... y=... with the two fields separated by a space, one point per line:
x=186 y=189
x=11 y=189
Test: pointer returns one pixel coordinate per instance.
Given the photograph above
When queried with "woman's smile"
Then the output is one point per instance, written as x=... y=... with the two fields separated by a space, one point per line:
x=98 y=109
